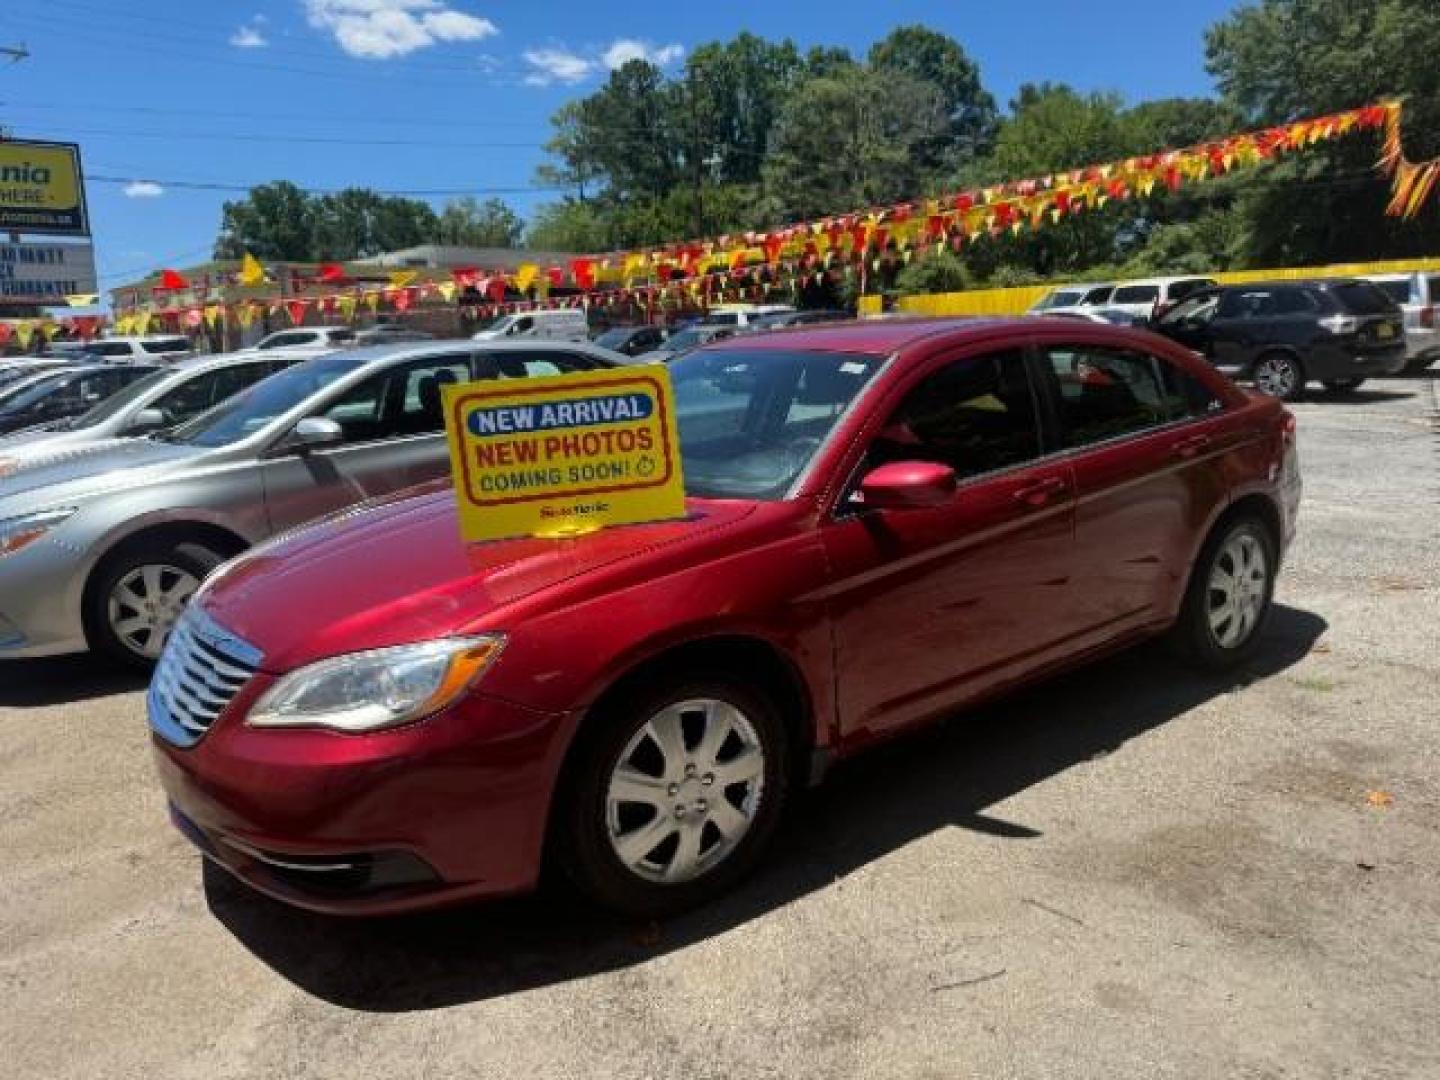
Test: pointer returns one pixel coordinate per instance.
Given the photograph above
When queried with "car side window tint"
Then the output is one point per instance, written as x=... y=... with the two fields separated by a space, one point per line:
x=422 y=409
x=1247 y=304
x=1295 y=302
x=189 y=398
x=1185 y=395
x=405 y=400
x=1105 y=392
x=535 y=362
x=358 y=410
x=977 y=416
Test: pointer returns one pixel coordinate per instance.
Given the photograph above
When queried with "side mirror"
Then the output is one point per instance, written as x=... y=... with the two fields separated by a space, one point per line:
x=315 y=431
x=907 y=485
x=146 y=420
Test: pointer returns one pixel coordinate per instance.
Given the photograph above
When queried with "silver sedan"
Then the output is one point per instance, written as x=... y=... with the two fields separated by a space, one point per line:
x=103 y=546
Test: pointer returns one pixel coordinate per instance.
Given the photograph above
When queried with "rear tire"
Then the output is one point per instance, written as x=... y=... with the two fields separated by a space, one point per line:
x=1343 y=386
x=1280 y=375
x=649 y=826
x=1416 y=364
x=137 y=596
x=1228 y=599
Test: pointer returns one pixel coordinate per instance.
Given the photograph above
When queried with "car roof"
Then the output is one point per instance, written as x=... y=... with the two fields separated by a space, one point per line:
x=1163 y=280
x=878 y=337
x=1083 y=285
x=1292 y=283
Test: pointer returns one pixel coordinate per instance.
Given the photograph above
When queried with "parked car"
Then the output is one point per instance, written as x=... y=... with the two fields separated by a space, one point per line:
x=63 y=392
x=162 y=399
x=1112 y=316
x=632 y=340
x=780 y=320
x=314 y=340
x=388 y=333
x=887 y=522
x=102 y=548
x=562 y=324
x=1153 y=297
x=14 y=371
x=1069 y=297
x=160 y=348
x=741 y=315
x=678 y=344
x=1417 y=295
x=1336 y=332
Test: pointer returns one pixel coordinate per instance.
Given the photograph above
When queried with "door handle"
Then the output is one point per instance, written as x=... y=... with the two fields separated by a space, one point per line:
x=1040 y=492
x=1188 y=448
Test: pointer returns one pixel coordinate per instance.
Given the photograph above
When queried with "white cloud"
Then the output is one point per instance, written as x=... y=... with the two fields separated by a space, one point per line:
x=623 y=50
x=382 y=29
x=556 y=65
x=249 y=36
x=143 y=189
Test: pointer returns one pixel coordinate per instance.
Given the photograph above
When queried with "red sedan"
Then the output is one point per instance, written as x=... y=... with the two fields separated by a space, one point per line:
x=887 y=522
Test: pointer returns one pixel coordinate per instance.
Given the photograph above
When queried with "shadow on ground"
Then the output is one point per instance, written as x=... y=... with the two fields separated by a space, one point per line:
x=64 y=679
x=945 y=777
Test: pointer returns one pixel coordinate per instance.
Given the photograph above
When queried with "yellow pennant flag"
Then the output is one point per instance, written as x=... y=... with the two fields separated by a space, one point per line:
x=447 y=289
x=24 y=331
x=48 y=329
x=245 y=315
x=212 y=315
x=142 y=322
x=525 y=276
x=346 y=304
x=82 y=299
x=251 y=272
x=122 y=325
x=401 y=278
x=372 y=301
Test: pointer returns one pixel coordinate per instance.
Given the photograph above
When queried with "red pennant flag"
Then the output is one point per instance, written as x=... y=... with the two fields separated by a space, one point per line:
x=169 y=279
x=296 y=308
x=331 y=274
x=5 y=331
x=773 y=245
x=467 y=277
x=403 y=299
x=556 y=276
x=583 y=270
x=496 y=289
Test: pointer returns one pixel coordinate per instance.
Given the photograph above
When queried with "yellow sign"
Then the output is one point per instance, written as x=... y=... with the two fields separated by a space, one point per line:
x=565 y=454
x=41 y=189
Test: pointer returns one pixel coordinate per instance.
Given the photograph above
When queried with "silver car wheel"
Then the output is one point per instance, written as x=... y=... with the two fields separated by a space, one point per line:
x=685 y=790
x=145 y=604
x=1239 y=587
x=1276 y=376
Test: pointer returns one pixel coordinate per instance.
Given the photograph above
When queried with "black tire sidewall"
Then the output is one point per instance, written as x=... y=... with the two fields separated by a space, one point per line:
x=1196 y=638
x=582 y=841
x=195 y=559
x=1298 y=390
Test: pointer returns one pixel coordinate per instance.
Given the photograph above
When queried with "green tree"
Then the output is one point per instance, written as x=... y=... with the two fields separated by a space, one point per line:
x=732 y=94
x=569 y=225
x=274 y=221
x=933 y=58
x=1280 y=60
x=470 y=223
x=851 y=140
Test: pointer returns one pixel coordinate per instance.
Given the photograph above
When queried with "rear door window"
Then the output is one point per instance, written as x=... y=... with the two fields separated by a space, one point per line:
x=1105 y=393
x=1098 y=296
x=1136 y=294
x=1295 y=302
x=532 y=363
x=1247 y=304
x=1362 y=298
x=1399 y=291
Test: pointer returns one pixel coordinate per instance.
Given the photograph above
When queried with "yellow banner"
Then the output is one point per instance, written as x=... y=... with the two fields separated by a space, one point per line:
x=565 y=454
x=40 y=188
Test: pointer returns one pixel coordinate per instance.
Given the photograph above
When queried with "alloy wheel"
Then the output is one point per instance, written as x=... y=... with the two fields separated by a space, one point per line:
x=1238 y=589
x=145 y=605
x=685 y=790
x=1276 y=376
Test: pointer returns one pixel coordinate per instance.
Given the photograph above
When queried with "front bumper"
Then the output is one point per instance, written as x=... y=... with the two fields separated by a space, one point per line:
x=40 y=593
x=449 y=809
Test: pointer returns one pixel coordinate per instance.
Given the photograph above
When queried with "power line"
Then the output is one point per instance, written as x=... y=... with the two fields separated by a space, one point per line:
x=221 y=185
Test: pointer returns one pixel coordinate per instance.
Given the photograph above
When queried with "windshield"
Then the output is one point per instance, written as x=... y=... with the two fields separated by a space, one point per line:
x=613 y=339
x=246 y=413
x=687 y=339
x=1061 y=298
x=499 y=325
x=22 y=397
x=117 y=403
x=751 y=420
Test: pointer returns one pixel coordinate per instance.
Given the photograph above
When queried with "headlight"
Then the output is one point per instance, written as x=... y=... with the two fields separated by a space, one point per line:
x=17 y=532
x=366 y=691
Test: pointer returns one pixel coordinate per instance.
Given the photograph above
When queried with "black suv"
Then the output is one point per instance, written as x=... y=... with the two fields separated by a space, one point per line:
x=1287 y=333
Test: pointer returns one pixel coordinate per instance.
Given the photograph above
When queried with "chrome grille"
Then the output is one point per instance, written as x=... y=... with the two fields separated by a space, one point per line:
x=201 y=670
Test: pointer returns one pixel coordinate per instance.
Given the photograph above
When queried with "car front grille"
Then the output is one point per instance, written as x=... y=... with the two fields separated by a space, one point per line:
x=201 y=670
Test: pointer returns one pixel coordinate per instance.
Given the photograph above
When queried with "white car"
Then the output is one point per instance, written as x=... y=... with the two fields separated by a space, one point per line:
x=308 y=339
x=1417 y=295
x=741 y=315
x=561 y=324
x=1149 y=298
x=1080 y=294
x=161 y=348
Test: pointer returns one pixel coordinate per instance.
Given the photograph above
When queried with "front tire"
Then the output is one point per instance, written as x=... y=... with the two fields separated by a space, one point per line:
x=139 y=594
x=1228 y=600
x=1280 y=375
x=675 y=793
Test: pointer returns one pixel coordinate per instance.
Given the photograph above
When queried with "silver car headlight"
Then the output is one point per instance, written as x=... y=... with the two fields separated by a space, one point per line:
x=367 y=691
x=18 y=532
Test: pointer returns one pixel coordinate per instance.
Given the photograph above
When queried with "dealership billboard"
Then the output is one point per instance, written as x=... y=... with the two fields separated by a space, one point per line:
x=33 y=272
x=42 y=189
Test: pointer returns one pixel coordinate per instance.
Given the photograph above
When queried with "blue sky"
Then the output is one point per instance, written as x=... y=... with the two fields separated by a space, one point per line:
x=451 y=95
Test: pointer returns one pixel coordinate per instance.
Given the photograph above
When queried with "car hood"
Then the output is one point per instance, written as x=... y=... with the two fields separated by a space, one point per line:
x=76 y=472
x=398 y=571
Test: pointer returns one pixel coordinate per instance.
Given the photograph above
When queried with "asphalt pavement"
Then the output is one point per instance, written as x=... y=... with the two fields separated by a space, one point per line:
x=1131 y=871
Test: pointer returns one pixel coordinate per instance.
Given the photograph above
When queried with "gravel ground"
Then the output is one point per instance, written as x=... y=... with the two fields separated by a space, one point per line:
x=1129 y=872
